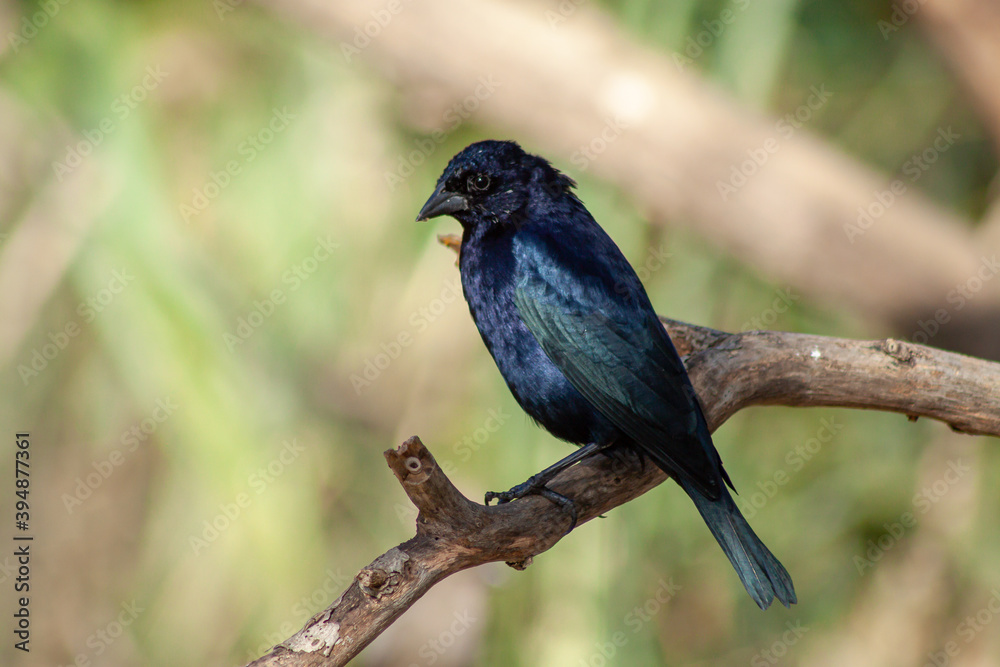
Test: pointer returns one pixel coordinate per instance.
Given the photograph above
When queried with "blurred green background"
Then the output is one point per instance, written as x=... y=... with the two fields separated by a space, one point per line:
x=205 y=270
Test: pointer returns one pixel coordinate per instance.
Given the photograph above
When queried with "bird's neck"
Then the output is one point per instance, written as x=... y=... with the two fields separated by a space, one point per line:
x=486 y=258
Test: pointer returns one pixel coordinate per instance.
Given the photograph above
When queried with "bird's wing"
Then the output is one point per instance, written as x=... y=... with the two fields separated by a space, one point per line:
x=624 y=364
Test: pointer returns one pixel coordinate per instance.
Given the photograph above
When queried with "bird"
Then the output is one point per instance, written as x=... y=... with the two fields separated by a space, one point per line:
x=574 y=335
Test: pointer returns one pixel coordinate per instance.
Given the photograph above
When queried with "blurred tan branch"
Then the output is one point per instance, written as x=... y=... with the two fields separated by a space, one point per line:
x=967 y=33
x=573 y=75
x=730 y=372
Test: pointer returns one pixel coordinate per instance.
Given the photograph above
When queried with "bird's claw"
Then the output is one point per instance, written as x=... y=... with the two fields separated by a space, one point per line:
x=563 y=502
x=535 y=486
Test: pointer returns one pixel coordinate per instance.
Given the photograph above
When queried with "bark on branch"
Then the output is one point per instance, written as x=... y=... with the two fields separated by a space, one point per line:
x=730 y=372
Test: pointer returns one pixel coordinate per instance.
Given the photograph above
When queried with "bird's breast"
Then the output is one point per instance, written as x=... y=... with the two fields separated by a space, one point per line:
x=537 y=384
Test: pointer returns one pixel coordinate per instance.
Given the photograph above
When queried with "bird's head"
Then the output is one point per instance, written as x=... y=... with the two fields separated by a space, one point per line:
x=491 y=183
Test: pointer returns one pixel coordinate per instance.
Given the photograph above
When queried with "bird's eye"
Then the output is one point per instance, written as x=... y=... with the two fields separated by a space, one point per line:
x=478 y=182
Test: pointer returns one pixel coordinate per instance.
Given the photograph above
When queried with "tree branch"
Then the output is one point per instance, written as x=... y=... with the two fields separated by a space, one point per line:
x=730 y=372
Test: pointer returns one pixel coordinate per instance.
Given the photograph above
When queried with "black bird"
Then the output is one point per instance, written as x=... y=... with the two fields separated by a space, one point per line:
x=573 y=333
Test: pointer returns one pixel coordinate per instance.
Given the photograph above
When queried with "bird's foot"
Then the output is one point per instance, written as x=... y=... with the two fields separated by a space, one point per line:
x=535 y=485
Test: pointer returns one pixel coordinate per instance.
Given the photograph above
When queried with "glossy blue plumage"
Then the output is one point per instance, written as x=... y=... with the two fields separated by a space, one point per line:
x=575 y=337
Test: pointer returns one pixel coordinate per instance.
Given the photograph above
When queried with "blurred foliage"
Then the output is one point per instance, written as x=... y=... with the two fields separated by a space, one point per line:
x=275 y=442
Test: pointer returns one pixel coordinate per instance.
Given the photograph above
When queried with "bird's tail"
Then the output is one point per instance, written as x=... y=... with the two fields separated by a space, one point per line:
x=761 y=573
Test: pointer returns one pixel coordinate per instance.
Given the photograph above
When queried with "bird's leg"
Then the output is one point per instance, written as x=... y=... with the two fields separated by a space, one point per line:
x=536 y=484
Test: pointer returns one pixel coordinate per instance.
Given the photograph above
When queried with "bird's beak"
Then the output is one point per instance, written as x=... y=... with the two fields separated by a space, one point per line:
x=442 y=202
